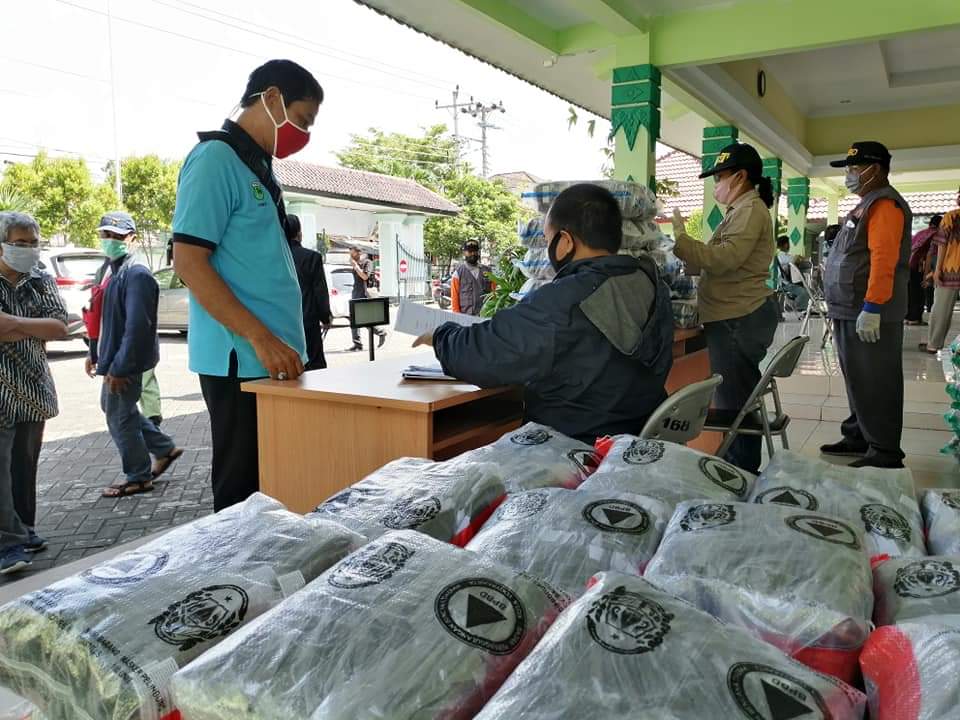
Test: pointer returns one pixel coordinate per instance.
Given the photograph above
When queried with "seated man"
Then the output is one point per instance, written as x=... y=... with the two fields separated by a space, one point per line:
x=789 y=270
x=593 y=348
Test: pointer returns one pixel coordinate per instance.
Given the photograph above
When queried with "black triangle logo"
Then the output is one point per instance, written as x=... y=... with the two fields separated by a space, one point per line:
x=825 y=530
x=615 y=517
x=781 y=705
x=481 y=613
x=727 y=477
x=786 y=498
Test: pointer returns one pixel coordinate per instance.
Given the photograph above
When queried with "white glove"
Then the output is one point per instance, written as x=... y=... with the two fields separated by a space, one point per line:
x=868 y=326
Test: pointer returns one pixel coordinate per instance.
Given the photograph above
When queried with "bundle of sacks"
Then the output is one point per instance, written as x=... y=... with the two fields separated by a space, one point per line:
x=953 y=415
x=102 y=645
x=535 y=264
x=795 y=578
x=406 y=627
x=626 y=649
x=941 y=517
x=567 y=536
x=880 y=502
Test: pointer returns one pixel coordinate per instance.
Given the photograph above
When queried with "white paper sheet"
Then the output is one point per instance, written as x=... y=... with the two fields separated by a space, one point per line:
x=416 y=319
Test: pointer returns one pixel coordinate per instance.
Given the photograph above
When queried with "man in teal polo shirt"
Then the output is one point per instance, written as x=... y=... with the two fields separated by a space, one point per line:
x=231 y=250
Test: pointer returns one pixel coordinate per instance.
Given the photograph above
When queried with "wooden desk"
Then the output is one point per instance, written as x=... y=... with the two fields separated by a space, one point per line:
x=333 y=427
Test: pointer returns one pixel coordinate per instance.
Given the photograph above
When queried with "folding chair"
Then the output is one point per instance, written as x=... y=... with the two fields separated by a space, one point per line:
x=680 y=417
x=818 y=304
x=753 y=418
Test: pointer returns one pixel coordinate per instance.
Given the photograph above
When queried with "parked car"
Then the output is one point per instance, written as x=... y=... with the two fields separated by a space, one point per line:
x=73 y=269
x=172 y=310
x=340 y=287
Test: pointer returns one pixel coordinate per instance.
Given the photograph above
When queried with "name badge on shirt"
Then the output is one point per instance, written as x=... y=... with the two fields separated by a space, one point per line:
x=851 y=224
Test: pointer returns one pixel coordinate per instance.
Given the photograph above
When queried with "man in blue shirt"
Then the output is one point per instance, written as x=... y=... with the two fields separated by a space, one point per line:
x=231 y=250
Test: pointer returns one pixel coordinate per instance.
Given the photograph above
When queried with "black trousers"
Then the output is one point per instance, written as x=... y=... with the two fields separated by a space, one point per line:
x=737 y=347
x=24 y=460
x=233 y=425
x=873 y=374
x=916 y=296
x=316 y=360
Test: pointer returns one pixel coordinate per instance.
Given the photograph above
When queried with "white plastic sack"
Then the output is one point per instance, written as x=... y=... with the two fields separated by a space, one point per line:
x=407 y=627
x=535 y=264
x=528 y=287
x=531 y=233
x=882 y=502
x=686 y=314
x=668 y=472
x=628 y=650
x=102 y=645
x=913 y=588
x=536 y=456
x=643 y=236
x=941 y=517
x=445 y=500
x=567 y=536
x=911 y=670
x=636 y=200
x=797 y=579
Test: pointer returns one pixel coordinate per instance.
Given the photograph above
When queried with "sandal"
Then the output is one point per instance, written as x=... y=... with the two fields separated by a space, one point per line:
x=163 y=464
x=128 y=488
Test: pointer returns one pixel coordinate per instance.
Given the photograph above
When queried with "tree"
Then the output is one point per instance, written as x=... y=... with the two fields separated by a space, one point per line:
x=64 y=197
x=149 y=194
x=694 y=225
x=12 y=200
x=431 y=160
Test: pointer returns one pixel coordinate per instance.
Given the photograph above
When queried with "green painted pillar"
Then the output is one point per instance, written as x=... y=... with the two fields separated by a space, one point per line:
x=773 y=169
x=798 y=200
x=714 y=140
x=635 y=123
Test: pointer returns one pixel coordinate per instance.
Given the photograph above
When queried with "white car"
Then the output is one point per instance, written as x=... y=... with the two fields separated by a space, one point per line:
x=340 y=288
x=174 y=304
x=74 y=270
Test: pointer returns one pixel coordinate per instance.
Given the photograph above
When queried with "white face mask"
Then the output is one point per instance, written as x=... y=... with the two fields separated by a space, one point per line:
x=19 y=258
x=722 y=190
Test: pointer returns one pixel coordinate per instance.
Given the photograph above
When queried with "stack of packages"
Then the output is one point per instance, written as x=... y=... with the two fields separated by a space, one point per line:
x=104 y=644
x=912 y=661
x=953 y=390
x=626 y=649
x=641 y=236
x=407 y=627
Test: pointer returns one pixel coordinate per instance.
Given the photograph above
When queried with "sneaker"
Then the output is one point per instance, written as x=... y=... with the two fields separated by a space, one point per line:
x=873 y=462
x=382 y=340
x=14 y=559
x=35 y=543
x=844 y=448
x=355 y=348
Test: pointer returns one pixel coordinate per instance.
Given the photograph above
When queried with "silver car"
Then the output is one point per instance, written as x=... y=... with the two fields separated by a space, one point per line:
x=174 y=301
x=74 y=270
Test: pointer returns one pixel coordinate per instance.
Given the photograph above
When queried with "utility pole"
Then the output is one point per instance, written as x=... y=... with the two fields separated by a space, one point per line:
x=456 y=106
x=479 y=110
x=118 y=185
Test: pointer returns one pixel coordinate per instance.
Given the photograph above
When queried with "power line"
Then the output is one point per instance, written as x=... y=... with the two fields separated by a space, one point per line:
x=456 y=106
x=482 y=111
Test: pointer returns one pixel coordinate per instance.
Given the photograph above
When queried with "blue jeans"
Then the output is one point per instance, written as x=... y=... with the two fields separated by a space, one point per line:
x=737 y=347
x=135 y=436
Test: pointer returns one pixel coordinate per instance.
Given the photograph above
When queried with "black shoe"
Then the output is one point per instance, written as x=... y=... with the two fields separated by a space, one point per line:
x=874 y=462
x=355 y=348
x=844 y=448
x=382 y=340
x=35 y=543
x=156 y=420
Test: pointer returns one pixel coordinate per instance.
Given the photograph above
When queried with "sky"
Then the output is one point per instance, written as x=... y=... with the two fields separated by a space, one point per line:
x=181 y=66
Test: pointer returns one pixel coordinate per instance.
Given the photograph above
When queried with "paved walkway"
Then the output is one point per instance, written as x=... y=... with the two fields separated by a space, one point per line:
x=79 y=459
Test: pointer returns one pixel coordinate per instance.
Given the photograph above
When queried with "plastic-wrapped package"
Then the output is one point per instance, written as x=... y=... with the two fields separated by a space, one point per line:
x=536 y=456
x=531 y=233
x=407 y=627
x=911 y=670
x=668 y=472
x=797 y=579
x=686 y=314
x=535 y=264
x=528 y=287
x=953 y=390
x=953 y=420
x=941 y=518
x=103 y=644
x=567 y=536
x=445 y=500
x=636 y=201
x=952 y=448
x=911 y=588
x=643 y=236
x=626 y=649
x=684 y=288
x=882 y=502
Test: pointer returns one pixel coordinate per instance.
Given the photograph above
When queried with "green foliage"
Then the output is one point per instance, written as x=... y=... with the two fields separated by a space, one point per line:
x=64 y=197
x=15 y=201
x=508 y=279
x=149 y=190
x=431 y=160
x=694 y=225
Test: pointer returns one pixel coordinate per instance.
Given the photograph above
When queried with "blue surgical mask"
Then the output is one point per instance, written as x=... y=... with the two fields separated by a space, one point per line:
x=20 y=258
x=113 y=248
x=854 y=180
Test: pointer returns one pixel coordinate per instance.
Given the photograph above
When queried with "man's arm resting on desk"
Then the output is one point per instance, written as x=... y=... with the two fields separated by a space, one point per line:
x=192 y=263
x=514 y=347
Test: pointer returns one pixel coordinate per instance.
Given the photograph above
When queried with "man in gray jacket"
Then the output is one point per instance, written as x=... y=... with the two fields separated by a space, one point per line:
x=865 y=283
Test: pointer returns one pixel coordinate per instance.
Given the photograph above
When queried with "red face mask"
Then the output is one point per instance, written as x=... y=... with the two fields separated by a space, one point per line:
x=288 y=138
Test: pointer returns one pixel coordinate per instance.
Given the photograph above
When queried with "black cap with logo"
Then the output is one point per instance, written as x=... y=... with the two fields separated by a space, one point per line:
x=866 y=152
x=737 y=156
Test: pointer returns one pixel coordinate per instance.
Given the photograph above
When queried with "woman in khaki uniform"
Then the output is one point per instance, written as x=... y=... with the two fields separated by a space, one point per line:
x=737 y=308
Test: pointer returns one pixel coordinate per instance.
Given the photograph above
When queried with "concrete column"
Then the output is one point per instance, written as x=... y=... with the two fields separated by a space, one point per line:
x=714 y=140
x=798 y=200
x=389 y=230
x=635 y=123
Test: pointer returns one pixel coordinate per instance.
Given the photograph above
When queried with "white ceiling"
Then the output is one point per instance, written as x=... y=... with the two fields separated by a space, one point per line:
x=917 y=70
